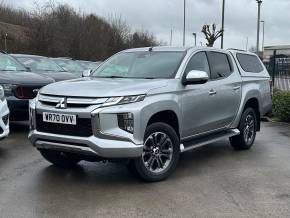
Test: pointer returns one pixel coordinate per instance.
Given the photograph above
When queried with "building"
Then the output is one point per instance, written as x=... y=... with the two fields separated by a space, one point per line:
x=280 y=50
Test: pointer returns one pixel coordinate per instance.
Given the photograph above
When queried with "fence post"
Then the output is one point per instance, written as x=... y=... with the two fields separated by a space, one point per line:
x=274 y=68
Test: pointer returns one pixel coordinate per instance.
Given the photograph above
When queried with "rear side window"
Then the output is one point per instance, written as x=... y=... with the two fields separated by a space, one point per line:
x=219 y=64
x=250 y=63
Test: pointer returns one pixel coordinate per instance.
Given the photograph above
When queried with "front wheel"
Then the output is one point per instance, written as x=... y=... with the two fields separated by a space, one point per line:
x=160 y=153
x=248 y=128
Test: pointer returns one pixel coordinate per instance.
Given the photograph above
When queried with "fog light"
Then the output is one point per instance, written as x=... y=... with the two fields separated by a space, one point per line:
x=126 y=122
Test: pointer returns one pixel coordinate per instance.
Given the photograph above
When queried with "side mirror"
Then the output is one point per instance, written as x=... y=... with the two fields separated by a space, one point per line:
x=195 y=77
x=86 y=73
x=28 y=69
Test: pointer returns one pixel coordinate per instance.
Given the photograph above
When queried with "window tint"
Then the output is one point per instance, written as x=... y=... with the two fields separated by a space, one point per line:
x=250 y=63
x=198 y=62
x=219 y=63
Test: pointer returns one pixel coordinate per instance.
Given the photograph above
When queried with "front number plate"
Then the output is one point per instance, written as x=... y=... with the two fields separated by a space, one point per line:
x=60 y=118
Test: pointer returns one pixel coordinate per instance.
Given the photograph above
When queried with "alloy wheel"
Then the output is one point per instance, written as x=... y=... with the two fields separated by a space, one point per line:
x=157 y=152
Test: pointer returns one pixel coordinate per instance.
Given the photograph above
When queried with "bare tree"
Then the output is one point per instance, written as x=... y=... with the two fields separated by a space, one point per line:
x=211 y=35
x=55 y=29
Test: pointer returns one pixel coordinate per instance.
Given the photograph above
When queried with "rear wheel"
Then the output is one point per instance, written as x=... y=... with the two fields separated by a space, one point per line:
x=160 y=153
x=248 y=128
x=60 y=159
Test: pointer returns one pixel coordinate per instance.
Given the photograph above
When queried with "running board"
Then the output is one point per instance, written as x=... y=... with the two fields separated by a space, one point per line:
x=186 y=146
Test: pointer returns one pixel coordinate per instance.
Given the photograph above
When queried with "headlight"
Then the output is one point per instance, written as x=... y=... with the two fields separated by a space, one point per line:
x=2 y=96
x=124 y=100
x=8 y=89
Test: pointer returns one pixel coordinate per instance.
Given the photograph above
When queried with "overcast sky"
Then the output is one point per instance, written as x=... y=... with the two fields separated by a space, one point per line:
x=159 y=16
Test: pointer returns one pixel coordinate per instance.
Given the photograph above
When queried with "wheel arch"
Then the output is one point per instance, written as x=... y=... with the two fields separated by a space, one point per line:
x=166 y=116
x=254 y=103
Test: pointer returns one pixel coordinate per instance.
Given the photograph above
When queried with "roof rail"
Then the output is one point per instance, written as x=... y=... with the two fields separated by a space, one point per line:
x=3 y=52
x=235 y=49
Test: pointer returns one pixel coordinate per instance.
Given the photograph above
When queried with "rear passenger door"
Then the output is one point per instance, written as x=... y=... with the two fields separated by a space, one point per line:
x=226 y=83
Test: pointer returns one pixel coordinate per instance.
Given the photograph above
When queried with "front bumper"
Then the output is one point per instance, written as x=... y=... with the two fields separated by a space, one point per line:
x=107 y=141
x=18 y=108
x=86 y=145
x=4 y=114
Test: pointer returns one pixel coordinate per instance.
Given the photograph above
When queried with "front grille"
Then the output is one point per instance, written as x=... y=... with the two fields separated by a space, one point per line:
x=69 y=105
x=5 y=119
x=71 y=102
x=83 y=128
x=26 y=92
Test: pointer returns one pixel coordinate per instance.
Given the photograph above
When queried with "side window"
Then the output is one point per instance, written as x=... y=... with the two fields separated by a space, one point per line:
x=198 y=62
x=250 y=63
x=220 y=65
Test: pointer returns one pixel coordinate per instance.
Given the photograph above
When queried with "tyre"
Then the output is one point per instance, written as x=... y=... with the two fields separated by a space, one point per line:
x=160 y=153
x=59 y=159
x=248 y=128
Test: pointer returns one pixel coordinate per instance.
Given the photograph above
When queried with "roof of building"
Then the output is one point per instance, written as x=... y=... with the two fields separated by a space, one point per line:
x=277 y=47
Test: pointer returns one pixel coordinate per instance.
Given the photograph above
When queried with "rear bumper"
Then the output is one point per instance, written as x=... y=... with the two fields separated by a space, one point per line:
x=86 y=145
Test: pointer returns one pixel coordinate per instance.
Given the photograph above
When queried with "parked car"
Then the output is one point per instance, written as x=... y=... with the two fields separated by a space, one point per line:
x=70 y=65
x=89 y=65
x=44 y=66
x=4 y=115
x=148 y=105
x=19 y=86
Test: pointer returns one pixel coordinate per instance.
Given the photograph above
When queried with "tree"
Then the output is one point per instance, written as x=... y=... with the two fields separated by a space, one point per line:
x=211 y=35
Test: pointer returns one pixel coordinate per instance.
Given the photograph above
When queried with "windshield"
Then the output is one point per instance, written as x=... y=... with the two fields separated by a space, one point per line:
x=8 y=63
x=39 y=63
x=89 y=65
x=149 y=64
x=69 y=65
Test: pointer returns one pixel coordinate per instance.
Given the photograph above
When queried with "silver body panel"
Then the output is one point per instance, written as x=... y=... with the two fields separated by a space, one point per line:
x=198 y=110
x=4 y=111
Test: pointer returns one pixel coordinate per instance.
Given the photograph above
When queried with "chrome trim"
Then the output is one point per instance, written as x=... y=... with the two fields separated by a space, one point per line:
x=64 y=147
x=71 y=100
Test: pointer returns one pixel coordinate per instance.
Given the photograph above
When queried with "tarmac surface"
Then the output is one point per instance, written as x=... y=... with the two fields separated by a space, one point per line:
x=212 y=181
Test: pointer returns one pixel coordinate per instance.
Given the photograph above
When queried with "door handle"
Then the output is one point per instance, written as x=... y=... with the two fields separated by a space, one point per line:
x=236 y=88
x=212 y=92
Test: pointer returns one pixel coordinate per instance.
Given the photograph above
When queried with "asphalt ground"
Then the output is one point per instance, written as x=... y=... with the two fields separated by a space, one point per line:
x=212 y=181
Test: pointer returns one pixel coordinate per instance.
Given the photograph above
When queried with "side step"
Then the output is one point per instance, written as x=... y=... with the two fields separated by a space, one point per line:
x=199 y=142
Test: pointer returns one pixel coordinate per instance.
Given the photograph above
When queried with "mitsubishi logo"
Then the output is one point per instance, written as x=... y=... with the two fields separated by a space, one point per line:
x=61 y=104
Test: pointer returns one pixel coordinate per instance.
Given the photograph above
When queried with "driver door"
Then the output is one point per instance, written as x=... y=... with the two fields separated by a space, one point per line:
x=199 y=101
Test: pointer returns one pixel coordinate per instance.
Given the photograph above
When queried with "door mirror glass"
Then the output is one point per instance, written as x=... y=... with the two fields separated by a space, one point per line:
x=196 y=77
x=87 y=73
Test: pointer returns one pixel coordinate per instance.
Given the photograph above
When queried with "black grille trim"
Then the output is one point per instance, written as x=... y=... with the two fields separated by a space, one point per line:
x=26 y=92
x=83 y=128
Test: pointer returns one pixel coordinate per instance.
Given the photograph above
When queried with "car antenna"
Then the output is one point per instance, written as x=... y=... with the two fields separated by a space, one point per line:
x=150 y=49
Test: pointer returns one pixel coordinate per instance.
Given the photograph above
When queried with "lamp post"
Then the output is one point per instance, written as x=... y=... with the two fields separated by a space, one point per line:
x=184 y=11
x=5 y=41
x=171 y=33
x=263 y=39
x=223 y=24
x=258 y=25
x=194 y=34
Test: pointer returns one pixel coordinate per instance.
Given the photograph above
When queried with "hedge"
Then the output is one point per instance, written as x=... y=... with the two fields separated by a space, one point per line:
x=281 y=105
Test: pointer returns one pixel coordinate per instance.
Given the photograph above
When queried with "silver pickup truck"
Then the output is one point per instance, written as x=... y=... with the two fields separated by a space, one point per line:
x=148 y=105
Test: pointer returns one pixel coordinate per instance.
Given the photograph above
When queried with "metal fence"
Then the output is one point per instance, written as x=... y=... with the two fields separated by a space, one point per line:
x=279 y=69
